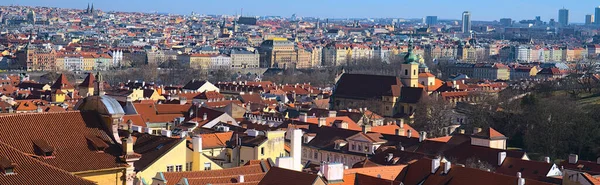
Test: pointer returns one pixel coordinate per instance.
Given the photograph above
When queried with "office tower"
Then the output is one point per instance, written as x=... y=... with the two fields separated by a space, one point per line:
x=506 y=22
x=589 y=19
x=552 y=22
x=563 y=17
x=466 y=22
x=597 y=16
x=431 y=20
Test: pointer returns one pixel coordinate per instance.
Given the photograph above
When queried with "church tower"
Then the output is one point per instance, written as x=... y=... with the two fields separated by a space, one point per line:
x=409 y=69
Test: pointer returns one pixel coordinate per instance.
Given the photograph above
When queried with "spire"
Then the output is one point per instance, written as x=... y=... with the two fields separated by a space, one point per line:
x=410 y=57
x=92 y=9
x=88 y=9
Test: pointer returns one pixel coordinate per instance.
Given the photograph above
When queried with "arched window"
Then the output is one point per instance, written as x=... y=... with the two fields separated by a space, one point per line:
x=414 y=72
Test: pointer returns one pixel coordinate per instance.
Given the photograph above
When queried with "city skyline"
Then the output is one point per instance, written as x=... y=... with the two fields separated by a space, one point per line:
x=488 y=11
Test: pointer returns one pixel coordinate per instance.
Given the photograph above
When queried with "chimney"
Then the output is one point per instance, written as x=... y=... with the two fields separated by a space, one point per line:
x=166 y=133
x=366 y=128
x=205 y=116
x=197 y=143
x=447 y=167
x=408 y=134
x=435 y=164
x=520 y=180
x=333 y=172
x=182 y=100
x=296 y=147
x=547 y=159
x=241 y=179
x=422 y=136
x=573 y=158
x=398 y=133
x=322 y=122
x=303 y=117
x=501 y=157
x=461 y=131
x=400 y=123
x=332 y=113
x=127 y=144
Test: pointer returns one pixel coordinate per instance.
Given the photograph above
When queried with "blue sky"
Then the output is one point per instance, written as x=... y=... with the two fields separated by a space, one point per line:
x=444 y=9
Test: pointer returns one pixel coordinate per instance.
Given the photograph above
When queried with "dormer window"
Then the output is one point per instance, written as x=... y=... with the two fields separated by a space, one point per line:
x=7 y=167
x=96 y=143
x=42 y=148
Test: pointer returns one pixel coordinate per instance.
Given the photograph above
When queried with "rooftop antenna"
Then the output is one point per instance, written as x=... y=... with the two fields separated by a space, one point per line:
x=242 y=13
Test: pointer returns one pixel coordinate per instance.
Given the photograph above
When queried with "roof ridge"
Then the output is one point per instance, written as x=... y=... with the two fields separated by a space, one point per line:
x=36 y=113
x=225 y=176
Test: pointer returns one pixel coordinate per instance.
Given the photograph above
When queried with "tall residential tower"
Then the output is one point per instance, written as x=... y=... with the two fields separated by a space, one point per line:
x=466 y=22
x=563 y=17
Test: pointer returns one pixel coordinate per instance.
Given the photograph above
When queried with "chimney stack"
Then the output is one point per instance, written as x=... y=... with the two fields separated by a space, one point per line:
x=332 y=114
x=303 y=117
x=366 y=128
x=296 y=147
x=435 y=164
x=422 y=136
x=333 y=172
x=241 y=179
x=573 y=158
x=547 y=159
x=197 y=143
x=476 y=130
x=520 y=180
x=501 y=157
x=322 y=122
x=204 y=117
x=447 y=167
x=408 y=134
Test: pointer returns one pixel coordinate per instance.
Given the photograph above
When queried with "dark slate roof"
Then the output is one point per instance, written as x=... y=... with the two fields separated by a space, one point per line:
x=411 y=94
x=362 y=86
x=253 y=141
x=277 y=176
x=194 y=84
x=151 y=148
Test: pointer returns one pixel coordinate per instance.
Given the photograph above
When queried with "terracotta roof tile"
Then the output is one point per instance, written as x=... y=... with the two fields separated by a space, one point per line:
x=65 y=133
x=174 y=177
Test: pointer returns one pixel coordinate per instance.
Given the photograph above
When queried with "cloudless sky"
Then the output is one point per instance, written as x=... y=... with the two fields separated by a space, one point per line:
x=444 y=9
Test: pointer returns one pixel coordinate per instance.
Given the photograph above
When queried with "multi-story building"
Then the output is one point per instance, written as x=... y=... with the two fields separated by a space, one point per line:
x=589 y=19
x=597 y=15
x=241 y=59
x=196 y=61
x=220 y=62
x=277 y=53
x=563 y=17
x=39 y=59
x=431 y=20
x=466 y=22
x=73 y=62
x=494 y=71
x=89 y=62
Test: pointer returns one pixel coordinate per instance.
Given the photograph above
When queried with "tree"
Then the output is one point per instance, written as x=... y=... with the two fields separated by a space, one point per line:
x=432 y=114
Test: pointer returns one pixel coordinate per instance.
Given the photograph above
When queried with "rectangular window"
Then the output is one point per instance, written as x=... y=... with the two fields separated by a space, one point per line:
x=188 y=166
x=170 y=168
x=178 y=168
x=262 y=151
x=315 y=155
x=206 y=166
x=366 y=148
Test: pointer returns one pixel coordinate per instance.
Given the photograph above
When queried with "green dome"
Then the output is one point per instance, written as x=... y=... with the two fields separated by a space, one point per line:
x=410 y=57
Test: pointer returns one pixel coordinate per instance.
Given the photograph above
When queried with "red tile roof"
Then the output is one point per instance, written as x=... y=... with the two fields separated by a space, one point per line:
x=31 y=171
x=66 y=133
x=62 y=83
x=174 y=177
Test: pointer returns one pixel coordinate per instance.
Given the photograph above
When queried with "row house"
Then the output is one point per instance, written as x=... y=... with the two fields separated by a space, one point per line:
x=241 y=59
x=491 y=71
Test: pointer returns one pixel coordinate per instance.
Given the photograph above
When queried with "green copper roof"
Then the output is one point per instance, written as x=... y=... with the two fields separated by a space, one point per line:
x=410 y=57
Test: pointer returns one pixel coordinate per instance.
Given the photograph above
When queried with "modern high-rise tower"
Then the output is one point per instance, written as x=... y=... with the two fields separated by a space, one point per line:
x=466 y=22
x=597 y=16
x=589 y=19
x=563 y=17
x=431 y=20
